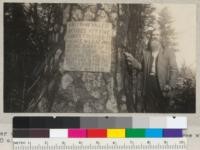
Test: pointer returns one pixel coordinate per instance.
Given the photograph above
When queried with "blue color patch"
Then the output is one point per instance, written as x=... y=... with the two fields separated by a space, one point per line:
x=154 y=133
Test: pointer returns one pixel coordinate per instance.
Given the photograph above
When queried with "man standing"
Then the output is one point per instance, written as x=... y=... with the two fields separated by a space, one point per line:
x=159 y=69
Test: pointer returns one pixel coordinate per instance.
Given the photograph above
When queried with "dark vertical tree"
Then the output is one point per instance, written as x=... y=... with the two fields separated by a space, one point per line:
x=15 y=43
x=140 y=23
x=26 y=29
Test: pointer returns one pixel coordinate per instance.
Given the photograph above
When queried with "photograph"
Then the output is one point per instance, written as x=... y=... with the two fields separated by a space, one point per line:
x=99 y=57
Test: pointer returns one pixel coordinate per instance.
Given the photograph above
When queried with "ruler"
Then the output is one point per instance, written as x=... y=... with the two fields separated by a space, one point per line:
x=100 y=144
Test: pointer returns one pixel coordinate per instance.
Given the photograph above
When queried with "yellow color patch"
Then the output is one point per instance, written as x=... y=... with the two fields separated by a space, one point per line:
x=116 y=133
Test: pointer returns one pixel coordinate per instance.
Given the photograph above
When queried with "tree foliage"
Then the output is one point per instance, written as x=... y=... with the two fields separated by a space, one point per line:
x=167 y=32
x=26 y=44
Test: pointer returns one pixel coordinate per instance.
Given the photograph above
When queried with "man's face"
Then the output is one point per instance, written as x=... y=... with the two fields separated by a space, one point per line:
x=155 y=45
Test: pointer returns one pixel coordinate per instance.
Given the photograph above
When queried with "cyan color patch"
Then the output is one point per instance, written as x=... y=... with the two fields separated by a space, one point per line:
x=154 y=133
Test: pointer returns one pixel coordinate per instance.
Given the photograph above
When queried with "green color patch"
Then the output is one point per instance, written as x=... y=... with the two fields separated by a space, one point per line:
x=135 y=133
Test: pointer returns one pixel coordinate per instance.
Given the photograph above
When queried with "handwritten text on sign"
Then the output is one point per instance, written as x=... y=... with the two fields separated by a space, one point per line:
x=88 y=46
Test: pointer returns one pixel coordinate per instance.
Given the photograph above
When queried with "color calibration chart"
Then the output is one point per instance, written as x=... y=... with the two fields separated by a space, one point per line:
x=99 y=133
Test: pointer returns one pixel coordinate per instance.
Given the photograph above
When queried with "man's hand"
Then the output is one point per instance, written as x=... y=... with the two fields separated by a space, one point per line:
x=167 y=88
x=132 y=61
x=167 y=91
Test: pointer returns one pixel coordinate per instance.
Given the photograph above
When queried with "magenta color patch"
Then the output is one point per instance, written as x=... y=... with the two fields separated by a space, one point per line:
x=77 y=133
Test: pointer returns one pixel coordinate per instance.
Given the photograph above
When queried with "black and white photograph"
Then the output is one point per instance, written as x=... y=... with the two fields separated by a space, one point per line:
x=99 y=58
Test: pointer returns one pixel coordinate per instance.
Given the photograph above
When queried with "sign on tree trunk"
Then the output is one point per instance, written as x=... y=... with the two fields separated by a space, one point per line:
x=88 y=46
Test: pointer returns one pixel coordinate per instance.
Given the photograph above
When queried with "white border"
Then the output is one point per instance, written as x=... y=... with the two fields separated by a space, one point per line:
x=194 y=119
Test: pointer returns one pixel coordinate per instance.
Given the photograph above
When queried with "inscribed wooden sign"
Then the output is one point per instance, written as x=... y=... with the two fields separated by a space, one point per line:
x=88 y=46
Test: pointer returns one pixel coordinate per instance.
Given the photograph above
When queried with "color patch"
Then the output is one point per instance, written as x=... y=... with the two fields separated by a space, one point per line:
x=58 y=133
x=77 y=133
x=88 y=122
x=123 y=122
x=116 y=133
x=135 y=133
x=39 y=133
x=106 y=122
x=140 y=122
x=176 y=123
x=172 y=133
x=154 y=133
x=96 y=133
x=157 y=122
x=21 y=133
